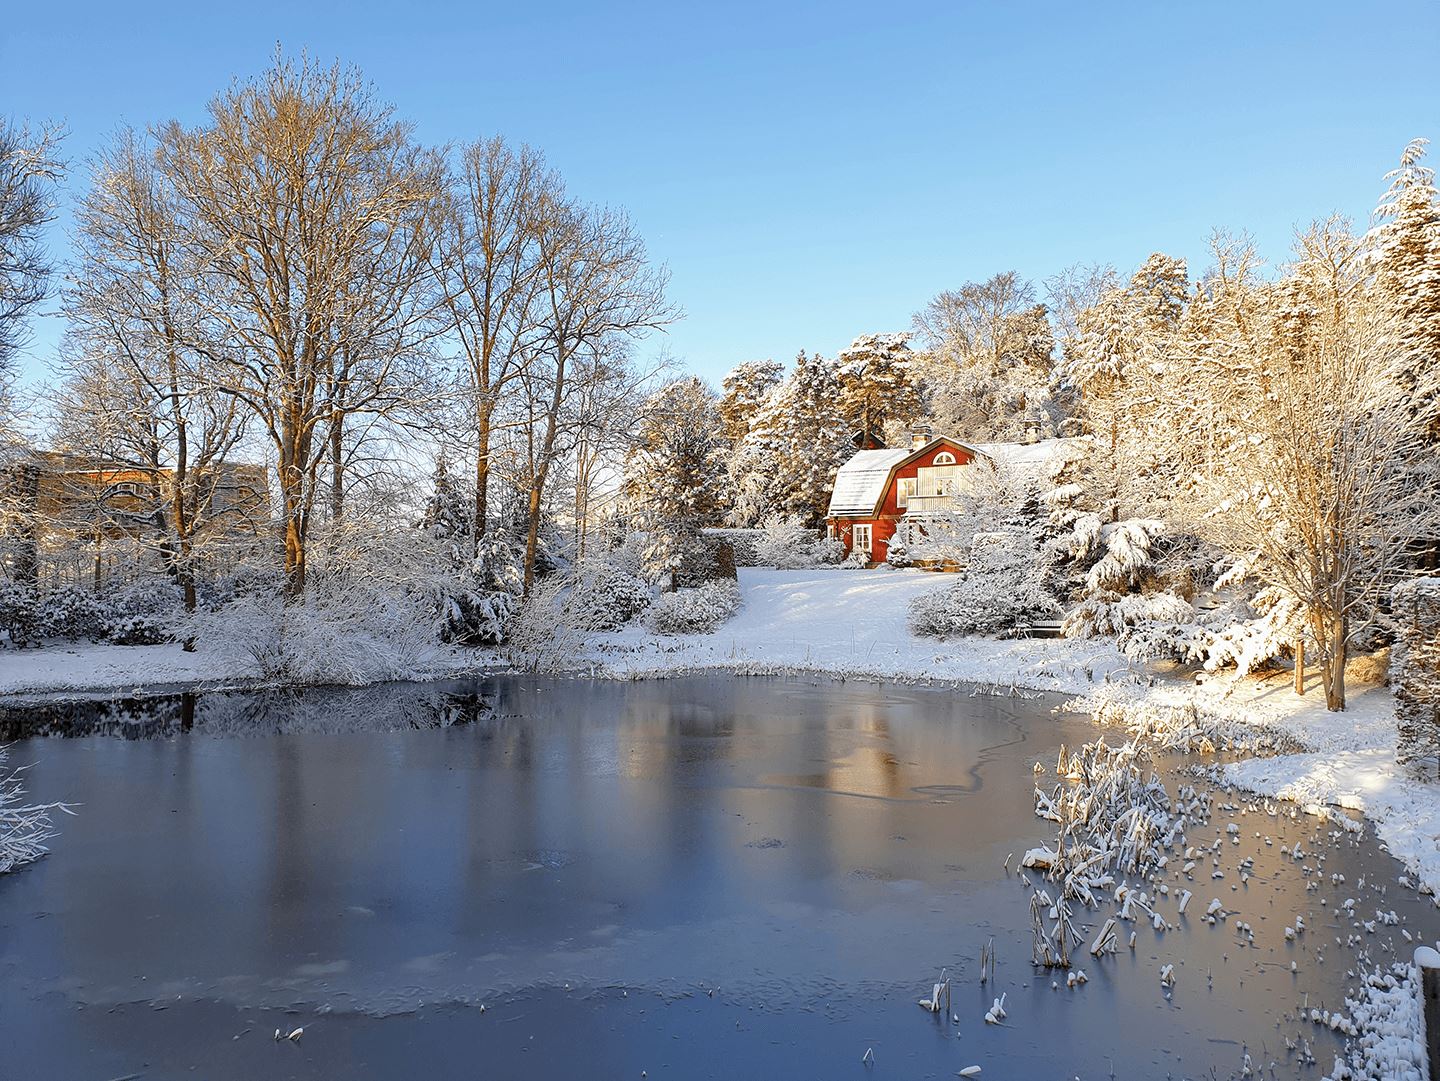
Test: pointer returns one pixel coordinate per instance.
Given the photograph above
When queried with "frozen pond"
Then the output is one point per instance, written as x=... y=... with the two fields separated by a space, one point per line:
x=706 y=877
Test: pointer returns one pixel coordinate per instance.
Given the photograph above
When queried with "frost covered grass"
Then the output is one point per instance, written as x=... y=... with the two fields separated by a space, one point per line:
x=24 y=827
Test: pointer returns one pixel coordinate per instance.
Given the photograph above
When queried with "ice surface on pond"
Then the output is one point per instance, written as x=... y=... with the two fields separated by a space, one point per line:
x=726 y=876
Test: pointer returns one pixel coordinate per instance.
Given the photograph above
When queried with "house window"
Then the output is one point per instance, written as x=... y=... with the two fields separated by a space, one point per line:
x=904 y=489
x=860 y=538
x=944 y=458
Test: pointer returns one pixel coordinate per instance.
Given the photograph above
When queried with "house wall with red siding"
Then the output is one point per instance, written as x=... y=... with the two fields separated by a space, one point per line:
x=883 y=525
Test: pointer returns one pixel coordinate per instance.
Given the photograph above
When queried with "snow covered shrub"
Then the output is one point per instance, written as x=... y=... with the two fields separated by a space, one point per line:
x=20 y=613
x=788 y=543
x=72 y=612
x=609 y=587
x=742 y=541
x=140 y=629
x=694 y=611
x=898 y=554
x=1001 y=590
x=1144 y=627
x=476 y=604
x=144 y=613
x=24 y=828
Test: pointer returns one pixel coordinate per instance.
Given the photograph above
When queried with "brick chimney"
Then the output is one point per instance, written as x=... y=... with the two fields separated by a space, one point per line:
x=919 y=436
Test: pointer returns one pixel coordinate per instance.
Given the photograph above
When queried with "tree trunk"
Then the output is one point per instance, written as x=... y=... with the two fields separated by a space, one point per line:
x=337 y=470
x=1300 y=666
x=1334 y=666
x=532 y=530
x=483 y=420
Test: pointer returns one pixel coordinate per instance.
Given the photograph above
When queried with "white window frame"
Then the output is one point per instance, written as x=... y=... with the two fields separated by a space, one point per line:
x=905 y=487
x=866 y=530
x=944 y=458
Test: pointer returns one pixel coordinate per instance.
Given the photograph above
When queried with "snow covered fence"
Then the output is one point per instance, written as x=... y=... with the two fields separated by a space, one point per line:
x=1415 y=668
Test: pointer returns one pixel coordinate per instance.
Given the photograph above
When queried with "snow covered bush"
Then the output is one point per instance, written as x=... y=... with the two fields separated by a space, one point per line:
x=609 y=587
x=20 y=614
x=788 y=543
x=72 y=612
x=1144 y=627
x=1002 y=590
x=476 y=603
x=694 y=611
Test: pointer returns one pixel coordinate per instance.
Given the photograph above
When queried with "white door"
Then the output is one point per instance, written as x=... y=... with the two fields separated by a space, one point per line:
x=860 y=539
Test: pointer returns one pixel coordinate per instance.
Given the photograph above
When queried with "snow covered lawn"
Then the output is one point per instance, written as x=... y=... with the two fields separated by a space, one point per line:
x=850 y=623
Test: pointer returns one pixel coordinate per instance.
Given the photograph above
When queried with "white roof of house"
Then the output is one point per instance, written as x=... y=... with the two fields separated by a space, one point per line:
x=861 y=481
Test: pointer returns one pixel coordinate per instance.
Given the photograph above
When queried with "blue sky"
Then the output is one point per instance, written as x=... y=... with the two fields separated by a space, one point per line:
x=811 y=172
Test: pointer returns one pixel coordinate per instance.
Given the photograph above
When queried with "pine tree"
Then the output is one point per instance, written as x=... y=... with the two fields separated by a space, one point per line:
x=878 y=385
x=1407 y=247
x=675 y=481
x=447 y=514
x=743 y=392
x=798 y=439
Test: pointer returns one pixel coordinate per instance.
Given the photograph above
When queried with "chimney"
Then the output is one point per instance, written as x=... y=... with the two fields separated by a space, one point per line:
x=919 y=436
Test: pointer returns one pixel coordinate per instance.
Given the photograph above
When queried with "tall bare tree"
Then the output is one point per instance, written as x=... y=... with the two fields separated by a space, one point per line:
x=1324 y=479
x=29 y=170
x=308 y=213
x=140 y=393
x=488 y=261
x=596 y=288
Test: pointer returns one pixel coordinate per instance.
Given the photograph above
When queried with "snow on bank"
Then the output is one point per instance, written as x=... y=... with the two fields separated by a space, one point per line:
x=850 y=623
x=1343 y=760
x=107 y=668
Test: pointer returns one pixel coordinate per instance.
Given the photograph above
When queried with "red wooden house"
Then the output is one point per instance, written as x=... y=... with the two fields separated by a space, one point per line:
x=879 y=491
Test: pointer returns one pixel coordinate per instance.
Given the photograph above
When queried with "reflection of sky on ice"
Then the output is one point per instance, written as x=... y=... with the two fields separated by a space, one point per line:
x=814 y=850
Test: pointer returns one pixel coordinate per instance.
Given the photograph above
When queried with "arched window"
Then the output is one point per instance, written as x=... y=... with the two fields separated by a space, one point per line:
x=944 y=458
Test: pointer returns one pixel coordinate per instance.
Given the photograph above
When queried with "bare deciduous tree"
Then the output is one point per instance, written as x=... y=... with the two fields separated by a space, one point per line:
x=139 y=393
x=29 y=170
x=488 y=261
x=596 y=288
x=1325 y=480
x=308 y=214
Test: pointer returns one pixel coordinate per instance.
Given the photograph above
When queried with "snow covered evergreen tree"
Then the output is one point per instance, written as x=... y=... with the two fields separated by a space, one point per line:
x=675 y=480
x=1406 y=243
x=447 y=514
x=797 y=441
x=743 y=391
x=878 y=385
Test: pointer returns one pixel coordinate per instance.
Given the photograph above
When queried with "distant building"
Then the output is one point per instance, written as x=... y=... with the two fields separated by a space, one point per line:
x=881 y=491
x=54 y=505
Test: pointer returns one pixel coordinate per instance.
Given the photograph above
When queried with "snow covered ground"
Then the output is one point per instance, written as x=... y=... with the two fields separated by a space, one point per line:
x=851 y=623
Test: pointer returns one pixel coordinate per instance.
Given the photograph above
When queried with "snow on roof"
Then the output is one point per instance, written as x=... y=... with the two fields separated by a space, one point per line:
x=861 y=481
x=1026 y=456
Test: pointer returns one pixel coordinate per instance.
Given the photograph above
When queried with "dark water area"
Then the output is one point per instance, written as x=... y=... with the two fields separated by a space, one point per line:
x=710 y=877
